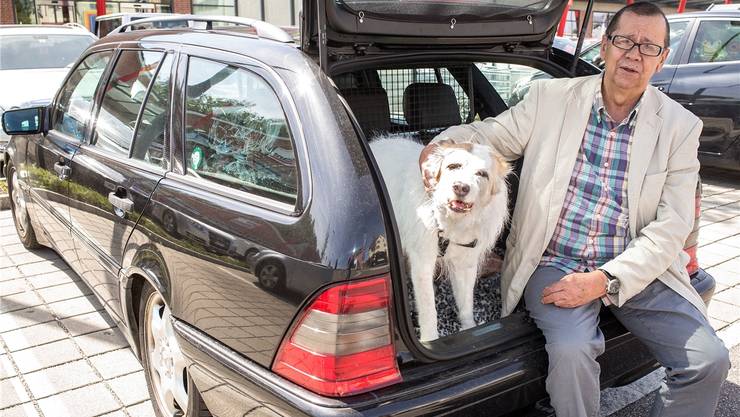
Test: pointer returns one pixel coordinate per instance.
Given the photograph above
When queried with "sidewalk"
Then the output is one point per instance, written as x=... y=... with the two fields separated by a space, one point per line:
x=61 y=355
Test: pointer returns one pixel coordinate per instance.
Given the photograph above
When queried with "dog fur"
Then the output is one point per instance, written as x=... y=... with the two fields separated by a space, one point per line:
x=421 y=215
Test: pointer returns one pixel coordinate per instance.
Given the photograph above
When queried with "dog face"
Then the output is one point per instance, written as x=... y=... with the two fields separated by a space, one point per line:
x=468 y=176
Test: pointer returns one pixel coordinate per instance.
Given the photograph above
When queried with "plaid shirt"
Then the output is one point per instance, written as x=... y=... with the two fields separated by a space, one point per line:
x=593 y=227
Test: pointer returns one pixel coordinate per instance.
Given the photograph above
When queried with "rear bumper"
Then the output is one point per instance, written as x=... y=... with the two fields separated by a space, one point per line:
x=232 y=385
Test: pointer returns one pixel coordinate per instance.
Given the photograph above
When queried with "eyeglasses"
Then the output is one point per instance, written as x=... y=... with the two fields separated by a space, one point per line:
x=648 y=49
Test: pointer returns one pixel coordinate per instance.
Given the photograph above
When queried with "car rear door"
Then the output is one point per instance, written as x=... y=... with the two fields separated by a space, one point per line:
x=706 y=82
x=49 y=156
x=115 y=172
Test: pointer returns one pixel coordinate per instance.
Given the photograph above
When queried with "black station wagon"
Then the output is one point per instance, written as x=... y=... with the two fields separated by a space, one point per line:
x=214 y=186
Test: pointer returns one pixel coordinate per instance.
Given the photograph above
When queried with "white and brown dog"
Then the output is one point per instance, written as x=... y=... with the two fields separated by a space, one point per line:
x=455 y=223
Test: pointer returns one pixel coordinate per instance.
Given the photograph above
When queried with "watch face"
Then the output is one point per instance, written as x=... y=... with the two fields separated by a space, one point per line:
x=613 y=286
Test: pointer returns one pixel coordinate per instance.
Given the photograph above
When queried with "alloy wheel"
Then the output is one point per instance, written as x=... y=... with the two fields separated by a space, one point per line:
x=165 y=359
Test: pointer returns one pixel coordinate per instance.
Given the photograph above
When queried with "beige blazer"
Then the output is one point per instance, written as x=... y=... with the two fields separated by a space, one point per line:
x=547 y=128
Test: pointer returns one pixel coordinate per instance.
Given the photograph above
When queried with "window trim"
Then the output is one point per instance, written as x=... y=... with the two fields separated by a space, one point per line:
x=295 y=129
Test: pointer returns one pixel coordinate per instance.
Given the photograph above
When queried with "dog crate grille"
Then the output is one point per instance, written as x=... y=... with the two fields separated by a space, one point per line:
x=423 y=101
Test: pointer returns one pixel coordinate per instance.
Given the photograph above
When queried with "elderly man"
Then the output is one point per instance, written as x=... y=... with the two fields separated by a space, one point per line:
x=605 y=204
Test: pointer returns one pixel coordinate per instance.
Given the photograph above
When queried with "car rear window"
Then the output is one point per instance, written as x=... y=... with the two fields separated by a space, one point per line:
x=428 y=10
x=41 y=51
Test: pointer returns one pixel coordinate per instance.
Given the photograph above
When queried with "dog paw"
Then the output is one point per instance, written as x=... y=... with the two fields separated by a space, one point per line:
x=428 y=335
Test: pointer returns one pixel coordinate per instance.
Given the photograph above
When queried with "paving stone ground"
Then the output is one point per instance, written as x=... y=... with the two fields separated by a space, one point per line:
x=61 y=355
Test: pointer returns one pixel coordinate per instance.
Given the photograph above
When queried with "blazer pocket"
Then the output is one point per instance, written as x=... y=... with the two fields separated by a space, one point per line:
x=652 y=188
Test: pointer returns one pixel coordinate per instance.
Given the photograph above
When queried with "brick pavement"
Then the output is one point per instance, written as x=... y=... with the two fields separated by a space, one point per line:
x=60 y=350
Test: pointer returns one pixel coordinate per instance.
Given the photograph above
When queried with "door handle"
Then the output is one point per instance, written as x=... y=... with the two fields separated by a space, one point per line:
x=121 y=205
x=62 y=170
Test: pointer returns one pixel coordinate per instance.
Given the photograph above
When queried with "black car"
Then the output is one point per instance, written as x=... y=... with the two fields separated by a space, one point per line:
x=173 y=164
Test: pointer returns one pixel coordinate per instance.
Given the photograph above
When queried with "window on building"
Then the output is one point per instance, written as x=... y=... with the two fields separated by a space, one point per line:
x=214 y=7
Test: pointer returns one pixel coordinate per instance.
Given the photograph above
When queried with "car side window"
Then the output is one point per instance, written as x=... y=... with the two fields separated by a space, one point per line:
x=716 y=41
x=124 y=94
x=72 y=110
x=151 y=144
x=511 y=81
x=678 y=31
x=236 y=133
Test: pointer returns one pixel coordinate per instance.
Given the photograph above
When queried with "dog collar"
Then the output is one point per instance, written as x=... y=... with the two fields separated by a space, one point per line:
x=443 y=243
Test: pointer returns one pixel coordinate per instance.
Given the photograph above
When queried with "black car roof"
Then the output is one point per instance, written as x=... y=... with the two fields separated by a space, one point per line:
x=273 y=53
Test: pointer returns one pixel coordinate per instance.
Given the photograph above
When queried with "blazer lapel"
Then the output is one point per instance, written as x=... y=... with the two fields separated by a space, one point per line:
x=577 y=113
x=644 y=139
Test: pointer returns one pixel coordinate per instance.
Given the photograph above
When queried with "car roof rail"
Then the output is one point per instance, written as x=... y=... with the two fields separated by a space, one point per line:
x=262 y=29
x=75 y=25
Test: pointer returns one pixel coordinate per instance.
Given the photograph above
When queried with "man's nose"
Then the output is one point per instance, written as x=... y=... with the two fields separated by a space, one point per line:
x=634 y=53
x=461 y=189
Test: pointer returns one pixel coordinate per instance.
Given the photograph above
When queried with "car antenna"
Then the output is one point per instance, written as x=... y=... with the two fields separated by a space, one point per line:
x=581 y=35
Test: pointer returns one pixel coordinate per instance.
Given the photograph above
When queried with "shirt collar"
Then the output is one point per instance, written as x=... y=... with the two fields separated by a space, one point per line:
x=600 y=109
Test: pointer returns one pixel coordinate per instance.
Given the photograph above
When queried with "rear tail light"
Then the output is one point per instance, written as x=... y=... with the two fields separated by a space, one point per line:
x=342 y=344
x=693 y=241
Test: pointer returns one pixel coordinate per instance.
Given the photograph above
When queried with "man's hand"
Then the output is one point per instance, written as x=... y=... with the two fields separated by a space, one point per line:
x=575 y=290
x=429 y=165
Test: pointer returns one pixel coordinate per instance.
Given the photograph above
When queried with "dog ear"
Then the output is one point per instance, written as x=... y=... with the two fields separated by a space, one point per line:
x=433 y=163
x=502 y=170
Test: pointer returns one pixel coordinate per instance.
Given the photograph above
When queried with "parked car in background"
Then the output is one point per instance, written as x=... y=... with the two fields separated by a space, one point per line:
x=106 y=23
x=224 y=206
x=702 y=72
x=33 y=62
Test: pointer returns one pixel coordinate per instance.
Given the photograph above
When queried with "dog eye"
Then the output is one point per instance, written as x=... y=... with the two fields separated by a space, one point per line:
x=453 y=166
x=483 y=174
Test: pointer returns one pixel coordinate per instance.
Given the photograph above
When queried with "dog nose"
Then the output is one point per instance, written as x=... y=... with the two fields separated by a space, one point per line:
x=461 y=189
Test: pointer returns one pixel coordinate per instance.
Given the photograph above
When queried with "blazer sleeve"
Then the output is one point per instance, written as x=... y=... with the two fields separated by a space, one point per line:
x=660 y=242
x=508 y=133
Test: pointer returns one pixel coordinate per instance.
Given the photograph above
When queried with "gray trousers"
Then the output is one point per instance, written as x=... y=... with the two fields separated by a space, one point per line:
x=677 y=334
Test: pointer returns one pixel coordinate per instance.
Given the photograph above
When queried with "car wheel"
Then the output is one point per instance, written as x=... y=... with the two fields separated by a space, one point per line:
x=169 y=223
x=271 y=275
x=171 y=389
x=20 y=211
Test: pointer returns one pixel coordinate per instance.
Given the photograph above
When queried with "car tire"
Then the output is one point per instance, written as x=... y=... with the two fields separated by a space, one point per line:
x=169 y=223
x=172 y=391
x=19 y=210
x=271 y=275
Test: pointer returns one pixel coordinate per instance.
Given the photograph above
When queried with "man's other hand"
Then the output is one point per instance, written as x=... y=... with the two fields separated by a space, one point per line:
x=575 y=290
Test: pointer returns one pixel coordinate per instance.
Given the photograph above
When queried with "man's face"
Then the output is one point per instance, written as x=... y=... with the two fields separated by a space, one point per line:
x=631 y=70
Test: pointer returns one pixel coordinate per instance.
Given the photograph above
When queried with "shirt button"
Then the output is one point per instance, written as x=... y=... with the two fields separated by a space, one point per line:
x=606 y=165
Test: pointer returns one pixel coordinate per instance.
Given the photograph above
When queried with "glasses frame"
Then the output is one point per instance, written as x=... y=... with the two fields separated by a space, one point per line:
x=613 y=38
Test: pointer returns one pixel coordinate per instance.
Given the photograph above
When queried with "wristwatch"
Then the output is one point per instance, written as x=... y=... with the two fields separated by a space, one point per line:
x=612 y=283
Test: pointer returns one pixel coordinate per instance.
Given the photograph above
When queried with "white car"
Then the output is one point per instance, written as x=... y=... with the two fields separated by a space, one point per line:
x=34 y=60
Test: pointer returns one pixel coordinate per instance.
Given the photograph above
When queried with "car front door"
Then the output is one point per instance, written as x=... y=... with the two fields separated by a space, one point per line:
x=114 y=173
x=49 y=156
x=706 y=83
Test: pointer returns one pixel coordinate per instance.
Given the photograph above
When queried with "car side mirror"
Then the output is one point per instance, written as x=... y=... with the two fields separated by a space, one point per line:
x=28 y=121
